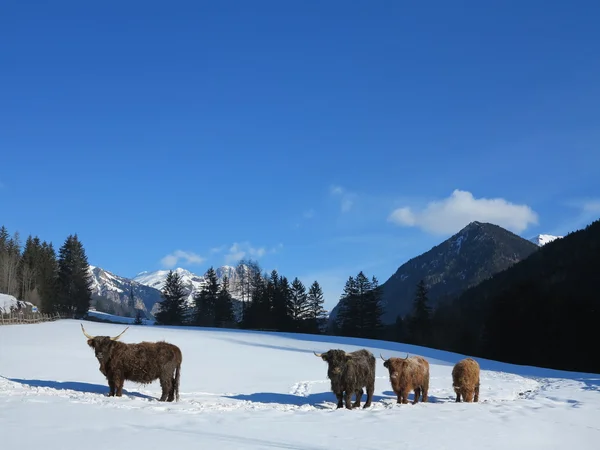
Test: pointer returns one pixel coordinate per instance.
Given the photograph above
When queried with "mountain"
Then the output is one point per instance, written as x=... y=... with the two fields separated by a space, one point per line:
x=191 y=282
x=473 y=254
x=110 y=293
x=542 y=311
x=543 y=239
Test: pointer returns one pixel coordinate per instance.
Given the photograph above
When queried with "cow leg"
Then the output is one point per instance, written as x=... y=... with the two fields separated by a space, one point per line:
x=417 y=392
x=458 y=397
x=348 y=396
x=370 y=391
x=404 y=395
x=165 y=384
x=119 y=385
x=359 y=395
x=425 y=391
x=476 y=398
x=340 y=399
x=111 y=386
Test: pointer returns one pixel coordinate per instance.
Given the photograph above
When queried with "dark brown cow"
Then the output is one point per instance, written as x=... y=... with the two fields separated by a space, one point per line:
x=142 y=363
x=465 y=380
x=349 y=373
x=408 y=374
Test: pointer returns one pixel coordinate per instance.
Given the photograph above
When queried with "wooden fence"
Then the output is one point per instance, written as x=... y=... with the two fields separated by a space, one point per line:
x=27 y=317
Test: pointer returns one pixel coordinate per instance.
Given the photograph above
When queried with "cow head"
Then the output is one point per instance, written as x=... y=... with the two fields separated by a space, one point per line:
x=394 y=365
x=101 y=344
x=336 y=360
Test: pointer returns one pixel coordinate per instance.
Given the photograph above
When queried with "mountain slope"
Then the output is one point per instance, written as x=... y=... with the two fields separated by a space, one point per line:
x=111 y=292
x=543 y=311
x=192 y=283
x=473 y=254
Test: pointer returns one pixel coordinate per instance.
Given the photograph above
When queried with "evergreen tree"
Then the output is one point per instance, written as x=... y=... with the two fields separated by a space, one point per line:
x=280 y=319
x=315 y=301
x=298 y=305
x=27 y=270
x=131 y=299
x=10 y=254
x=74 y=278
x=420 y=319
x=360 y=308
x=47 y=279
x=172 y=308
x=372 y=310
x=346 y=319
x=224 y=305
x=206 y=300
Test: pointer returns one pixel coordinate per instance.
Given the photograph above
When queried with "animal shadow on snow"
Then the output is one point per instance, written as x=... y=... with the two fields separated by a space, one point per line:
x=411 y=397
x=297 y=400
x=88 y=388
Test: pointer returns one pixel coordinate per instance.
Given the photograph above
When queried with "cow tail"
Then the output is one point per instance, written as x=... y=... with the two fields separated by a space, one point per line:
x=176 y=382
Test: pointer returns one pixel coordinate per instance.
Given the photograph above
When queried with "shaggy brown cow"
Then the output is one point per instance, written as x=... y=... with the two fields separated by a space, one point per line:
x=465 y=380
x=408 y=374
x=142 y=363
x=348 y=373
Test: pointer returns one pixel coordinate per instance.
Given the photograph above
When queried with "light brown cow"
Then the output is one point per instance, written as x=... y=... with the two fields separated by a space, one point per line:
x=408 y=374
x=465 y=380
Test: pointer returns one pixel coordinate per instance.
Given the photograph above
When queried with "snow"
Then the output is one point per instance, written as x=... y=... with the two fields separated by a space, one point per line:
x=6 y=301
x=258 y=390
x=543 y=239
x=114 y=318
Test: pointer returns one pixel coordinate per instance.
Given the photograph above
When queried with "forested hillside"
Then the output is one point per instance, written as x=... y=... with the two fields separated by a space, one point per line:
x=542 y=311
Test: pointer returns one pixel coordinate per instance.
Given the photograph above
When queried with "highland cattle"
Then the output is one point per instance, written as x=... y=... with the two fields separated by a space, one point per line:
x=349 y=373
x=408 y=374
x=465 y=380
x=142 y=363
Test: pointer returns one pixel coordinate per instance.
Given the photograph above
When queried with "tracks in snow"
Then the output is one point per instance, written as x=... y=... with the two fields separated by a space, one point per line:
x=302 y=396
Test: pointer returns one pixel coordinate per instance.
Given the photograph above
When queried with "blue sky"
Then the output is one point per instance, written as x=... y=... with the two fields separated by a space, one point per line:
x=320 y=138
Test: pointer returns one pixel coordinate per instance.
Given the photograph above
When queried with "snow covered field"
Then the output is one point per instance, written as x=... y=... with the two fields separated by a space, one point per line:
x=252 y=390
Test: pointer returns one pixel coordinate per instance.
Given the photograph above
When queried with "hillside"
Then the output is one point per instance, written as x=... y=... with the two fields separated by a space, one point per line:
x=192 y=283
x=111 y=292
x=473 y=254
x=544 y=310
x=50 y=377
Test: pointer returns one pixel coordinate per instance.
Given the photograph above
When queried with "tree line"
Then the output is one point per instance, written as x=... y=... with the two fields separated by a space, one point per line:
x=35 y=272
x=264 y=301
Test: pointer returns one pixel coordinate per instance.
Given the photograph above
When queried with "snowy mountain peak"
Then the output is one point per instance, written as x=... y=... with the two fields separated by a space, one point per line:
x=543 y=239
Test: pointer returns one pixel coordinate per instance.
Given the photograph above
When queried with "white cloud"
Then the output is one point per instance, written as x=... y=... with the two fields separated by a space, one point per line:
x=240 y=250
x=346 y=198
x=173 y=259
x=453 y=213
x=591 y=206
x=309 y=214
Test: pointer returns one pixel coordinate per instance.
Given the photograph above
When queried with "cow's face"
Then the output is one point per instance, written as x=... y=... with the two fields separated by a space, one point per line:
x=101 y=344
x=336 y=360
x=394 y=365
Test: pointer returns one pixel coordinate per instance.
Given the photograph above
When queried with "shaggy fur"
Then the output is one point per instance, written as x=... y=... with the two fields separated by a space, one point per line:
x=349 y=373
x=408 y=374
x=141 y=363
x=465 y=380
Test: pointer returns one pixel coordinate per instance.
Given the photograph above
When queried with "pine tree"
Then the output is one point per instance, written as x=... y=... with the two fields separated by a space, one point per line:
x=206 y=299
x=172 y=308
x=420 y=320
x=315 y=301
x=346 y=319
x=27 y=270
x=224 y=305
x=131 y=300
x=298 y=305
x=74 y=278
x=47 y=279
x=10 y=254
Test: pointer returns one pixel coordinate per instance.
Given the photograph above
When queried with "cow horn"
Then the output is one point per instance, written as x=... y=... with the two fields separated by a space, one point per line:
x=86 y=335
x=318 y=354
x=116 y=338
x=382 y=357
x=406 y=356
